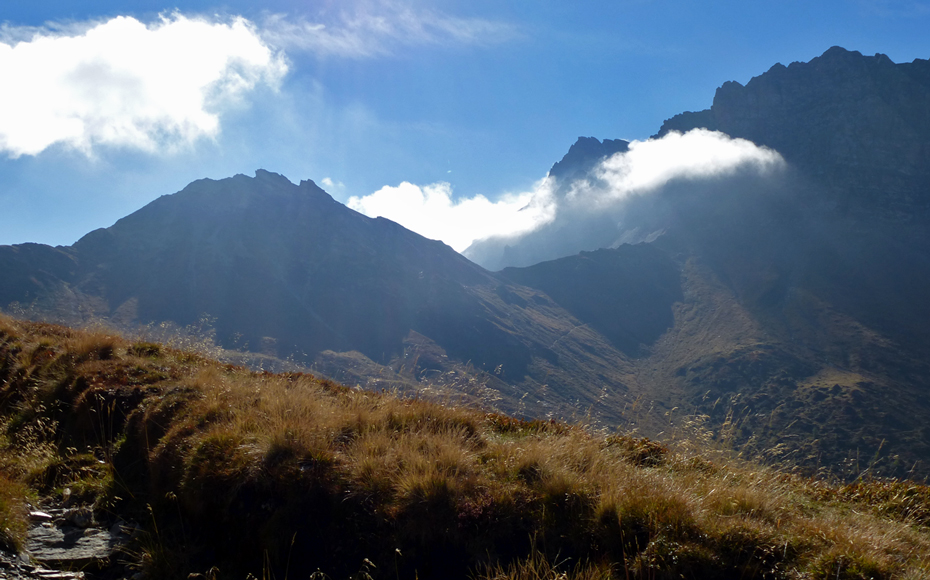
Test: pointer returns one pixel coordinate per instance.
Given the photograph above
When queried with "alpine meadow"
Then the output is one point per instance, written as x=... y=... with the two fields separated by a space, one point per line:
x=702 y=354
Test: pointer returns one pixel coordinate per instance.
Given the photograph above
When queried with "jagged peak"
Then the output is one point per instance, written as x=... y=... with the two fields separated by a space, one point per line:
x=585 y=152
x=265 y=175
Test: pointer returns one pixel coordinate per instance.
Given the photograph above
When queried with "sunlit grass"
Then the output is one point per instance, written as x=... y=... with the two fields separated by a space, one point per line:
x=261 y=473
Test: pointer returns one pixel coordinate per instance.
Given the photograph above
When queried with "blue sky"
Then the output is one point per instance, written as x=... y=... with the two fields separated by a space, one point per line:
x=107 y=105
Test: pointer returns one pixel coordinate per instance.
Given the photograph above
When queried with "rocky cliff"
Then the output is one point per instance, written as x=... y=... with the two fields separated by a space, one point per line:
x=859 y=125
x=799 y=313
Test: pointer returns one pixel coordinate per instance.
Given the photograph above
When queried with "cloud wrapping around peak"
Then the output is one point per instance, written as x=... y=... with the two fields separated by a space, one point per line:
x=697 y=154
x=559 y=219
x=124 y=83
x=613 y=203
x=431 y=211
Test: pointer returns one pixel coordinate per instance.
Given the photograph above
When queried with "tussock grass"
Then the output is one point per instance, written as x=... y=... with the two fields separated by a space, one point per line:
x=13 y=526
x=537 y=566
x=286 y=475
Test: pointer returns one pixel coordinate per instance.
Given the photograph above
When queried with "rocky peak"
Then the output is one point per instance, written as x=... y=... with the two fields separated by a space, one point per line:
x=582 y=156
x=844 y=118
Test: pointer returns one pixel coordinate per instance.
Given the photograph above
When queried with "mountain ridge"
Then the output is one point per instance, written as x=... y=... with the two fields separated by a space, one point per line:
x=841 y=117
x=772 y=308
x=800 y=315
x=287 y=269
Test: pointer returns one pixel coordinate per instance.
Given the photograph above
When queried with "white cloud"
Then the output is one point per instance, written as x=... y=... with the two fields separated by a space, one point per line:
x=331 y=185
x=376 y=28
x=431 y=212
x=645 y=168
x=651 y=164
x=124 y=83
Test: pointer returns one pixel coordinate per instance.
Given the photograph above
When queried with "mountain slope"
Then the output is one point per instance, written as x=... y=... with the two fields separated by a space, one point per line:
x=788 y=312
x=626 y=294
x=801 y=313
x=286 y=270
x=224 y=473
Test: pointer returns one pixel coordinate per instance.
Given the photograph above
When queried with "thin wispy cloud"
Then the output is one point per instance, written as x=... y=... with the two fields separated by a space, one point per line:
x=380 y=28
x=124 y=83
x=332 y=185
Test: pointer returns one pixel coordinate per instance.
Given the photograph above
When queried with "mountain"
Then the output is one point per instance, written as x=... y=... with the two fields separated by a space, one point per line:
x=798 y=318
x=583 y=155
x=783 y=313
x=858 y=125
x=559 y=238
x=858 y=129
x=285 y=270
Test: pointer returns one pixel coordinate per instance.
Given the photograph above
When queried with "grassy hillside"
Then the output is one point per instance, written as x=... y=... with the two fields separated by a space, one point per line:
x=274 y=265
x=287 y=476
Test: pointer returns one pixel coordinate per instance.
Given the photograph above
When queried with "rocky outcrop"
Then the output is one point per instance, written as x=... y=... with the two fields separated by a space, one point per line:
x=859 y=125
x=13 y=567
x=71 y=540
x=583 y=155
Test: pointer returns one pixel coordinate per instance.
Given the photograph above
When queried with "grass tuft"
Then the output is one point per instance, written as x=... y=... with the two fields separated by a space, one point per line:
x=293 y=476
x=13 y=514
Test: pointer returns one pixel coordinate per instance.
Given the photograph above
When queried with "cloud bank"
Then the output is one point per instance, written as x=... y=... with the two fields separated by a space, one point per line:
x=558 y=219
x=431 y=211
x=123 y=83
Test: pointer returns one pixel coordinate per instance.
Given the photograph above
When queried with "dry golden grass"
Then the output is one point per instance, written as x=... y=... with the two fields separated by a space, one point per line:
x=268 y=474
x=537 y=566
x=13 y=526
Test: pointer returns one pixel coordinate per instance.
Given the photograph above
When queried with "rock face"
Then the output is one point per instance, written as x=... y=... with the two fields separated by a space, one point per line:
x=859 y=125
x=583 y=155
x=801 y=307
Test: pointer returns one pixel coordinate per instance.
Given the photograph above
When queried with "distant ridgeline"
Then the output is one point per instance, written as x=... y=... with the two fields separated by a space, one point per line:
x=790 y=318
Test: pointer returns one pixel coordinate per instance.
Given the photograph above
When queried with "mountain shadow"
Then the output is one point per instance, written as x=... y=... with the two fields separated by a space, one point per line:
x=626 y=294
x=286 y=270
